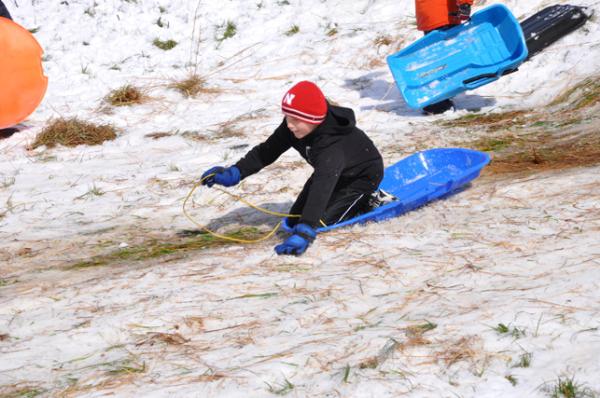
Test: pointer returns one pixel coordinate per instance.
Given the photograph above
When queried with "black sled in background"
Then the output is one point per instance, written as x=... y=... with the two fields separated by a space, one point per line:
x=552 y=23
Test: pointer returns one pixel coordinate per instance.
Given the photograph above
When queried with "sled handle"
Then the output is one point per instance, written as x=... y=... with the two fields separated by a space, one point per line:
x=478 y=81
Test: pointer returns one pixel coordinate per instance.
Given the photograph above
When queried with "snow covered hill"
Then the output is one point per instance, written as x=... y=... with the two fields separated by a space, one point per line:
x=493 y=292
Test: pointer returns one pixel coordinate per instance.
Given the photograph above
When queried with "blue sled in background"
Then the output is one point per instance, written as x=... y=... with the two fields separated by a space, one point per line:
x=447 y=62
x=419 y=179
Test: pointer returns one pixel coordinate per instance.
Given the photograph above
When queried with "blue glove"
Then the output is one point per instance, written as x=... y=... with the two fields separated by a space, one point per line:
x=303 y=235
x=227 y=177
x=287 y=224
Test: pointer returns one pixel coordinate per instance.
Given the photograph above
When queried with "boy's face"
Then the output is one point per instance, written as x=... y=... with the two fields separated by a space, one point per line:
x=299 y=128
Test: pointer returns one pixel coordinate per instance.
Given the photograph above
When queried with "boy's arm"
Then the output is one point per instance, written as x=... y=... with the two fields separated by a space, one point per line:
x=265 y=153
x=328 y=168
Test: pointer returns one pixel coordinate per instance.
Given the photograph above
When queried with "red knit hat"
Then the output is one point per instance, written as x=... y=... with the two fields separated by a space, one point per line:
x=306 y=102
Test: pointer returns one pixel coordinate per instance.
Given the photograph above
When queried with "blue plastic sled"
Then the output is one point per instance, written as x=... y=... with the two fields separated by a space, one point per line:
x=419 y=179
x=447 y=62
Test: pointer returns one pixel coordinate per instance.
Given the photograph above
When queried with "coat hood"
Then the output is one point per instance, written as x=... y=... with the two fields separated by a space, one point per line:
x=339 y=121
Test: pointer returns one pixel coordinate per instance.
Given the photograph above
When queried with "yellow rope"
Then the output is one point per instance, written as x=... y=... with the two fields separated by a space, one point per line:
x=230 y=238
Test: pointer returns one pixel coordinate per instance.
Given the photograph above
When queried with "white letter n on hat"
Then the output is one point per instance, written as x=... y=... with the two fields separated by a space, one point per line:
x=289 y=98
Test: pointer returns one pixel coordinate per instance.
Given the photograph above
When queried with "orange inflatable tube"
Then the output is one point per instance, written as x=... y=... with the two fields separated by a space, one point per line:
x=22 y=80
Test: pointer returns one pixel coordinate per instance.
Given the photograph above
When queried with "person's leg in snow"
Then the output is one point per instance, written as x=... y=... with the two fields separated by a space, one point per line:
x=4 y=11
x=349 y=203
x=344 y=204
x=347 y=200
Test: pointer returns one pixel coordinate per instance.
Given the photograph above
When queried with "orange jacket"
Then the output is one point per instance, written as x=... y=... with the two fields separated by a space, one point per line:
x=432 y=14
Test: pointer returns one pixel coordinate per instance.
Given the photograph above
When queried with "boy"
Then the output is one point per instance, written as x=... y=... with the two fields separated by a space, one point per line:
x=347 y=166
x=441 y=14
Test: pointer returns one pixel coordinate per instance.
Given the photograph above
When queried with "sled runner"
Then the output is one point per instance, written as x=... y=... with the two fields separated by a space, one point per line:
x=419 y=179
x=550 y=24
x=445 y=63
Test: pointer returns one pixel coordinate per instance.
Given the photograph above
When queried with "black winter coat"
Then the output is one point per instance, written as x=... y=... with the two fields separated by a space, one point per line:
x=340 y=153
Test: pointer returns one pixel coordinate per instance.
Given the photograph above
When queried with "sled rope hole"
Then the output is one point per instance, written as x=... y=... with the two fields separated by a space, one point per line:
x=244 y=201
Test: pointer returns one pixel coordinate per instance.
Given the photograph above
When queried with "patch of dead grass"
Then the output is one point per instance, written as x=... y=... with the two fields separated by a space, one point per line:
x=392 y=44
x=223 y=131
x=21 y=391
x=167 y=338
x=496 y=143
x=228 y=129
x=489 y=121
x=461 y=350
x=383 y=40
x=543 y=155
x=415 y=335
x=192 y=86
x=369 y=363
x=565 y=134
x=383 y=355
x=209 y=378
x=583 y=95
x=111 y=375
x=72 y=132
x=564 y=110
x=159 y=134
x=170 y=249
x=194 y=323
x=126 y=96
